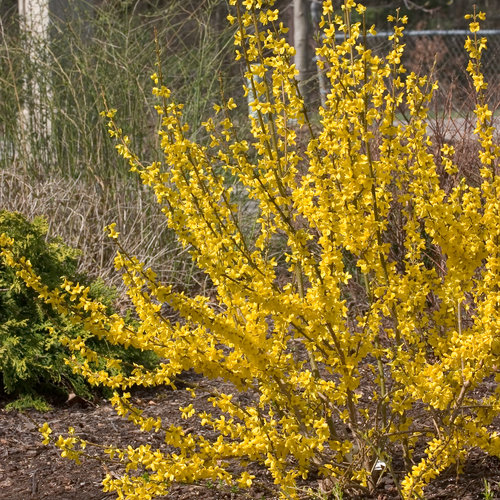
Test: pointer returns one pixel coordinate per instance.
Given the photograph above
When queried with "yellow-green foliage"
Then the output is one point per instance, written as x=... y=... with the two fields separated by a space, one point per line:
x=338 y=387
x=32 y=355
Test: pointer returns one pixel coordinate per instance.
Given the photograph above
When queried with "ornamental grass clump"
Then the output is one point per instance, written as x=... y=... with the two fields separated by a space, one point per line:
x=338 y=388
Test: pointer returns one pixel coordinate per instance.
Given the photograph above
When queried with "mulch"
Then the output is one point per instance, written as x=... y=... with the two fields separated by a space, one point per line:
x=30 y=470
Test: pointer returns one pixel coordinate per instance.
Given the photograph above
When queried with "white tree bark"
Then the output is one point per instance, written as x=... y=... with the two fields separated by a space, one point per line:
x=34 y=17
x=301 y=34
x=35 y=122
x=316 y=9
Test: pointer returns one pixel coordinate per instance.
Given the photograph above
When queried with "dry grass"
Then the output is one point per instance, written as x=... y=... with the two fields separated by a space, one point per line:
x=77 y=211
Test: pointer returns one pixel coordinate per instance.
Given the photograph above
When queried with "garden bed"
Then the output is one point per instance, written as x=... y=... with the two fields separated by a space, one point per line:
x=30 y=470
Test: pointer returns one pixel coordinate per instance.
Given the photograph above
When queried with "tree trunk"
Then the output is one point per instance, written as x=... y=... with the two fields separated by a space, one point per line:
x=301 y=37
x=316 y=9
x=35 y=116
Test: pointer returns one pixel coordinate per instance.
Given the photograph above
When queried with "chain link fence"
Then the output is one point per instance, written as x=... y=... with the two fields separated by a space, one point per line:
x=443 y=52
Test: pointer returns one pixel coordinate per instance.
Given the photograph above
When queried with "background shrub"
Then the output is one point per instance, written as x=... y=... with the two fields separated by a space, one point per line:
x=32 y=358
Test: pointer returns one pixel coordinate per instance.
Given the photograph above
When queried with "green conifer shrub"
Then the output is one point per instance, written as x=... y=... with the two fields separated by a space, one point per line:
x=32 y=356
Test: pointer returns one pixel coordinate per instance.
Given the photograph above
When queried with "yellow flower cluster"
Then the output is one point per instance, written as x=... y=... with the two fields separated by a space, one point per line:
x=335 y=386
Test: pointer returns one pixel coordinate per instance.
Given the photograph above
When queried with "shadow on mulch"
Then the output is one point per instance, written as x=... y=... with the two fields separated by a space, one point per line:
x=31 y=471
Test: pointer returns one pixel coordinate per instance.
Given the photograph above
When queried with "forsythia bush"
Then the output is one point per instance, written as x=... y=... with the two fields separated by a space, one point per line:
x=343 y=388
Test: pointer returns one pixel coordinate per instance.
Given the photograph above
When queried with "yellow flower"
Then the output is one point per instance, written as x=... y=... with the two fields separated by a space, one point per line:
x=46 y=431
x=112 y=233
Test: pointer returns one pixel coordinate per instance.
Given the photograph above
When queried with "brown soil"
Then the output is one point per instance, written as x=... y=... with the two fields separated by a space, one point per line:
x=31 y=471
